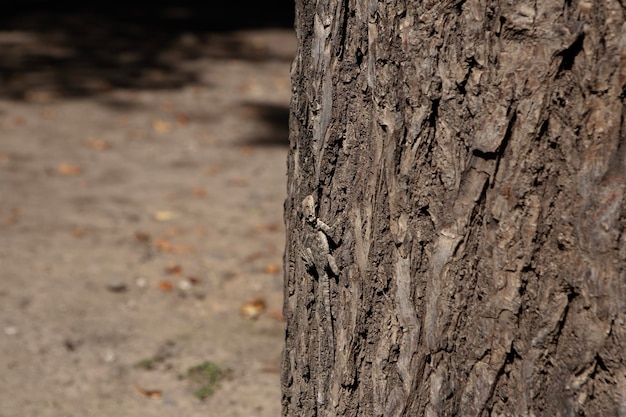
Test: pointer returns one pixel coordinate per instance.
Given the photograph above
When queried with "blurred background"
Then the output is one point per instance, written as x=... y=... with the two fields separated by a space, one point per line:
x=142 y=179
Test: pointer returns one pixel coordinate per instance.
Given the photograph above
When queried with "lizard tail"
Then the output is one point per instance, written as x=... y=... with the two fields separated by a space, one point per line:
x=325 y=284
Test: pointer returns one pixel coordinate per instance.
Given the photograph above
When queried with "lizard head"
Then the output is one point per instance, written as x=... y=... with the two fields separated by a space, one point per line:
x=308 y=209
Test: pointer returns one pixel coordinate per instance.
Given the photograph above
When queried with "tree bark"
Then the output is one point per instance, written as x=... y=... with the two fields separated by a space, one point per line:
x=471 y=156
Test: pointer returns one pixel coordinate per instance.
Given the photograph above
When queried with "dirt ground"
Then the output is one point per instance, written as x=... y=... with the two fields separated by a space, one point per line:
x=141 y=228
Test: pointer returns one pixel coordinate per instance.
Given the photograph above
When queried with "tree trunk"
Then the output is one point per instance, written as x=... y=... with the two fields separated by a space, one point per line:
x=469 y=157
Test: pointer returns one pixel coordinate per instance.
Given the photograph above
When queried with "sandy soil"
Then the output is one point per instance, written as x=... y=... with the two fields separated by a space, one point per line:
x=137 y=222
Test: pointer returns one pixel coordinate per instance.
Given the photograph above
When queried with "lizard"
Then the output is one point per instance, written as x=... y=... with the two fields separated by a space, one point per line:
x=316 y=255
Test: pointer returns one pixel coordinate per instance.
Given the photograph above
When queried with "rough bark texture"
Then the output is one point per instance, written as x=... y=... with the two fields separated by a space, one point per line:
x=472 y=156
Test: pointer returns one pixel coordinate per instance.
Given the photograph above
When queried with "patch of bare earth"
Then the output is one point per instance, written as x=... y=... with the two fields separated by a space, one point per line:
x=141 y=235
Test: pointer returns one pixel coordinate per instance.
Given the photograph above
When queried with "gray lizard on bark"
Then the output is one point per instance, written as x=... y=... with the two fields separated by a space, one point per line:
x=316 y=255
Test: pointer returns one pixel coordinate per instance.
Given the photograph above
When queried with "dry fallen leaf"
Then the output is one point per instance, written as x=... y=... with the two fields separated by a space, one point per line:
x=173 y=269
x=212 y=170
x=271 y=268
x=173 y=231
x=5 y=158
x=272 y=227
x=256 y=255
x=142 y=236
x=137 y=135
x=194 y=280
x=273 y=369
x=161 y=126
x=163 y=245
x=247 y=150
x=239 y=182
x=166 y=246
x=97 y=144
x=154 y=394
x=164 y=215
x=280 y=83
x=253 y=308
x=182 y=119
x=199 y=192
x=277 y=315
x=79 y=232
x=166 y=286
x=69 y=170
x=12 y=218
x=170 y=195
x=48 y=112
x=249 y=86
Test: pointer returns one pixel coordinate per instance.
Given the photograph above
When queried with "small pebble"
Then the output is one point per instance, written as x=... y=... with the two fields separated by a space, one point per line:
x=117 y=287
x=10 y=330
x=184 y=285
x=108 y=356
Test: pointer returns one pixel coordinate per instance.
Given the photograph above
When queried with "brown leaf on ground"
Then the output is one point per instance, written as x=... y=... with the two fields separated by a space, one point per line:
x=270 y=250
x=182 y=118
x=97 y=144
x=12 y=218
x=256 y=255
x=271 y=268
x=174 y=231
x=163 y=245
x=277 y=315
x=161 y=126
x=166 y=246
x=273 y=227
x=165 y=286
x=247 y=150
x=199 y=192
x=173 y=269
x=272 y=369
x=211 y=170
x=238 y=182
x=249 y=86
x=194 y=280
x=253 y=308
x=142 y=236
x=170 y=195
x=48 y=112
x=164 y=215
x=79 y=232
x=137 y=135
x=280 y=82
x=5 y=158
x=154 y=394
x=69 y=170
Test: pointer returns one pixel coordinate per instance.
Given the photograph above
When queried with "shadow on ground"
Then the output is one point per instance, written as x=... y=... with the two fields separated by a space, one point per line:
x=60 y=49
x=275 y=120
